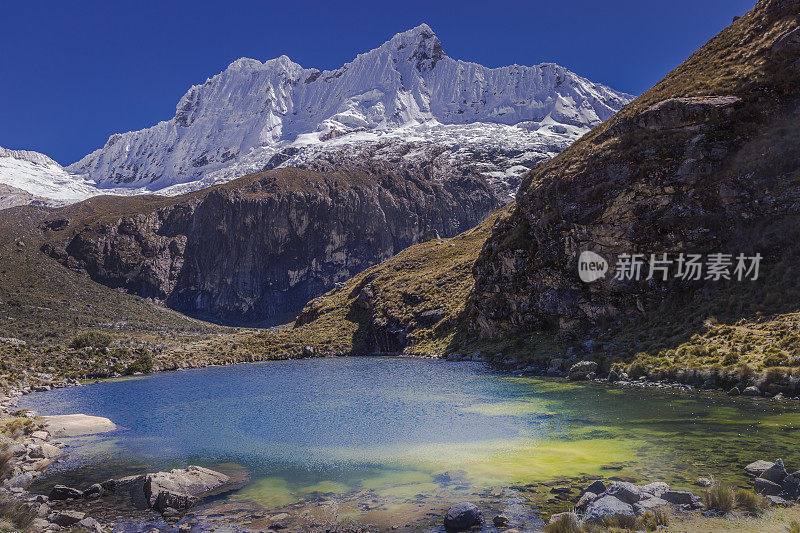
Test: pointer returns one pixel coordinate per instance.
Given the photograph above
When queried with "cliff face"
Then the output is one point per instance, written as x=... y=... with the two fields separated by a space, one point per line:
x=256 y=249
x=706 y=161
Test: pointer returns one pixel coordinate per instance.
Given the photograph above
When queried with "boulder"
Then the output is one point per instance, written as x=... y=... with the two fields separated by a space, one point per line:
x=648 y=504
x=606 y=507
x=45 y=451
x=77 y=425
x=776 y=473
x=791 y=487
x=757 y=467
x=626 y=492
x=462 y=516
x=777 y=501
x=95 y=491
x=91 y=524
x=680 y=497
x=597 y=487
x=41 y=435
x=172 y=500
x=191 y=481
x=585 y=501
x=657 y=489
x=500 y=520
x=22 y=480
x=581 y=370
x=734 y=391
x=62 y=492
x=184 y=487
x=752 y=391
x=766 y=487
x=68 y=518
x=40 y=524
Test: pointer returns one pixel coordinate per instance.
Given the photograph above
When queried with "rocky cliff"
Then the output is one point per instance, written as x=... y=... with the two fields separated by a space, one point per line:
x=256 y=249
x=705 y=162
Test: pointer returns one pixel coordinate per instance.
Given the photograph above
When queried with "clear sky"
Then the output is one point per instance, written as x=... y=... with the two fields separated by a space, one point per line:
x=74 y=72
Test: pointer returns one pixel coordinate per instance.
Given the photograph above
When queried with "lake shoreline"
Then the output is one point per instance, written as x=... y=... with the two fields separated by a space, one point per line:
x=682 y=388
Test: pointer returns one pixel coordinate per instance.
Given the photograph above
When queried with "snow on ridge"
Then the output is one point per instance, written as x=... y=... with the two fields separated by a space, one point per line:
x=406 y=95
x=251 y=111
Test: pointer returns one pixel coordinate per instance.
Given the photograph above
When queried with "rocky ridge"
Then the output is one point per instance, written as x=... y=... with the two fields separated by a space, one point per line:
x=704 y=162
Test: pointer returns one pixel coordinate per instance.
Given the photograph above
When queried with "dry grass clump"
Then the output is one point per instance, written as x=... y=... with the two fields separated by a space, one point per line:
x=725 y=498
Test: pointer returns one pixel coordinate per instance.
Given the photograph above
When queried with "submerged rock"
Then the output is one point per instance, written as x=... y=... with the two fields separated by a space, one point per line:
x=463 y=516
x=177 y=489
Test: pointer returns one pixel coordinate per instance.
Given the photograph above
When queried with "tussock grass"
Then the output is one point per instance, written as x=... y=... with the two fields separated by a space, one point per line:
x=720 y=497
x=750 y=503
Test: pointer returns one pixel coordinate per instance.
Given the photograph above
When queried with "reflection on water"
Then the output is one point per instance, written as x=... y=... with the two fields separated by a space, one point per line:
x=393 y=425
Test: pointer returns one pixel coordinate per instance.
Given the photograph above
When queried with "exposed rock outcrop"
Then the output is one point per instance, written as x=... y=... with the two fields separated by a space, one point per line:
x=704 y=162
x=256 y=249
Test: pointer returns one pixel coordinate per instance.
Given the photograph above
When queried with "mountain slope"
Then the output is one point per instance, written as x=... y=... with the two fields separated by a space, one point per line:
x=255 y=116
x=256 y=249
x=706 y=161
x=43 y=302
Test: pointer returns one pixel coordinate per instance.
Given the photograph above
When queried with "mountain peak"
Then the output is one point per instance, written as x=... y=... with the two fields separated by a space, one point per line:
x=419 y=44
x=239 y=120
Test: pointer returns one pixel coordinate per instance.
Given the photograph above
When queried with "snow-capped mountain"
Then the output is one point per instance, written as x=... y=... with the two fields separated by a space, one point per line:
x=39 y=175
x=402 y=105
x=403 y=94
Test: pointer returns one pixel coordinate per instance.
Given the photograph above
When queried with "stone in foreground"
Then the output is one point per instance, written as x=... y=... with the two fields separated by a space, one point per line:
x=463 y=516
x=60 y=426
x=62 y=492
x=607 y=507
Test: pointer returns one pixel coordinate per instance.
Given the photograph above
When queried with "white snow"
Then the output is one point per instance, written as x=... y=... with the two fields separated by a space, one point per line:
x=499 y=121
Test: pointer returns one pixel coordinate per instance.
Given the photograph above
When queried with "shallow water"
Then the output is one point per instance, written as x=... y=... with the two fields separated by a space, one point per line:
x=392 y=425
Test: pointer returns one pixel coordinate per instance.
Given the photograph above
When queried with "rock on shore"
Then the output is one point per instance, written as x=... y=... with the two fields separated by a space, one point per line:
x=78 y=425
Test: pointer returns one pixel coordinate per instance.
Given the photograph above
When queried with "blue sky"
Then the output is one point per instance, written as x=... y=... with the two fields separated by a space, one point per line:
x=72 y=73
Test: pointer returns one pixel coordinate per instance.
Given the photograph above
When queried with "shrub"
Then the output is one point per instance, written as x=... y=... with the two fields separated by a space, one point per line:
x=5 y=458
x=750 y=502
x=652 y=520
x=18 y=427
x=564 y=523
x=637 y=370
x=143 y=364
x=731 y=358
x=15 y=514
x=775 y=360
x=720 y=497
x=91 y=339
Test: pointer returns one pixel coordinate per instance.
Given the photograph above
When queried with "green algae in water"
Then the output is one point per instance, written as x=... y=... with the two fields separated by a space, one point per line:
x=333 y=427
